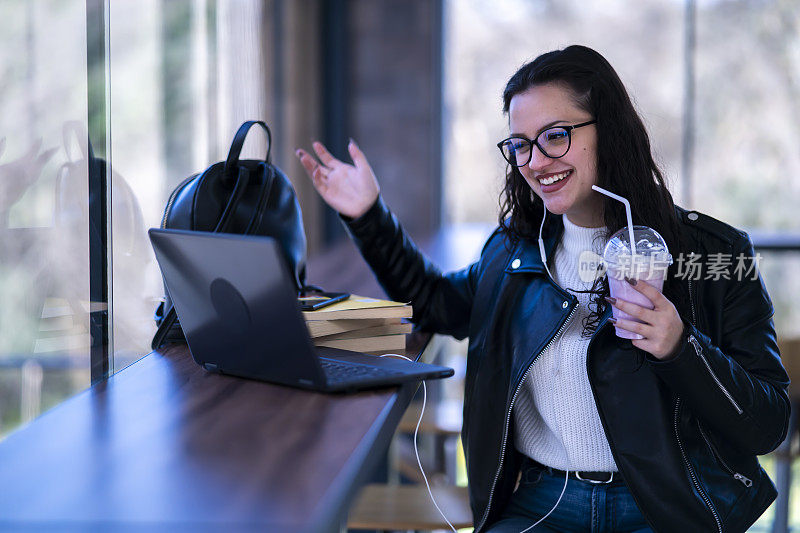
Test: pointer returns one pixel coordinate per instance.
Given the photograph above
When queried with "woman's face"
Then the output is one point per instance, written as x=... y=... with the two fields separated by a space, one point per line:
x=545 y=106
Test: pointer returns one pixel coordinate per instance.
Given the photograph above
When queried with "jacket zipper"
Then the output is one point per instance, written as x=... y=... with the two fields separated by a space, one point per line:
x=747 y=482
x=508 y=416
x=686 y=462
x=172 y=199
x=699 y=350
x=688 y=465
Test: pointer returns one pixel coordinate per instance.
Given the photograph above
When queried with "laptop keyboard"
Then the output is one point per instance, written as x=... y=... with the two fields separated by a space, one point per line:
x=338 y=372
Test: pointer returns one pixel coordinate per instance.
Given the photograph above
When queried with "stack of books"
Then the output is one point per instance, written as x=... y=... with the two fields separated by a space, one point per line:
x=361 y=324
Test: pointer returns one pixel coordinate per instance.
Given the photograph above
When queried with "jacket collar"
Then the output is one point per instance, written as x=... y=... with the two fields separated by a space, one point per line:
x=525 y=258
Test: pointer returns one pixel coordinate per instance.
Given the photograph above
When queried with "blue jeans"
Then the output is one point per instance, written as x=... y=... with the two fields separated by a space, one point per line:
x=585 y=507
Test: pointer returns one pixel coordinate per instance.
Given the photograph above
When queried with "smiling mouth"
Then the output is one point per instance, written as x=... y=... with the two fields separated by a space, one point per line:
x=552 y=178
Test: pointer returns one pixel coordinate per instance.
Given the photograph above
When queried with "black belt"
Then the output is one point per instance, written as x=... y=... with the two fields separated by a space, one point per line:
x=591 y=477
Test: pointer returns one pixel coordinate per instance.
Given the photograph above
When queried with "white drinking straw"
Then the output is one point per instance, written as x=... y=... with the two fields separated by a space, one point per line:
x=627 y=214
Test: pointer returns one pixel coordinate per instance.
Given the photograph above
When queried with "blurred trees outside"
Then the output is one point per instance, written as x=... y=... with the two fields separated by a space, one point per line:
x=745 y=164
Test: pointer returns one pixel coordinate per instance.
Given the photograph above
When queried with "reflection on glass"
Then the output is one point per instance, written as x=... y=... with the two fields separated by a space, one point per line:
x=178 y=79
x=44 y=321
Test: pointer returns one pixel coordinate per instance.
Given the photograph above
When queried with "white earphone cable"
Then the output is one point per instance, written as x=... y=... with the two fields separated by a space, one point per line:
x=425 y=477
x=541 y=244
x=416 y=447
x=566 y=478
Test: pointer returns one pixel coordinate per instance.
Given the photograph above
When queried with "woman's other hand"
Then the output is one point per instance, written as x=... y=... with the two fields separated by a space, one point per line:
x=661 y=327
x=349 y=189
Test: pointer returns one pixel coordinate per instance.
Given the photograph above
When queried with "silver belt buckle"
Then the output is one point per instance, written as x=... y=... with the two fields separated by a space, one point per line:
x=609 y=480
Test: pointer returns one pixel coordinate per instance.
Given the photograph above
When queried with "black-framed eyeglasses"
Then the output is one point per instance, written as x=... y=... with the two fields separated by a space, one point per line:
x=552 y=142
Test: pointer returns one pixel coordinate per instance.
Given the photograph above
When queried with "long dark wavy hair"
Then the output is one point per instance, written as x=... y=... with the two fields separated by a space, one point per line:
x=625 y=164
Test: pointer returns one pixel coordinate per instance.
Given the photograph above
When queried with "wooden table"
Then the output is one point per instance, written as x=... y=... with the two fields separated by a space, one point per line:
x=164 y=445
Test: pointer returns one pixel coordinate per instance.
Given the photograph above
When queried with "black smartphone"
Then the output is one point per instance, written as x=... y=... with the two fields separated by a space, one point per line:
x=318 y=300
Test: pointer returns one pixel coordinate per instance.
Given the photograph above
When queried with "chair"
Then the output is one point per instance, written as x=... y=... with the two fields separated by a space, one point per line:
x=409 y=507
x=403 y=507
x=394 y=506
x=441 y=423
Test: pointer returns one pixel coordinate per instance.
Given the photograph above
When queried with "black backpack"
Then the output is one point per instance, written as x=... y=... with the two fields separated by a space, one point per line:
x=250 y=197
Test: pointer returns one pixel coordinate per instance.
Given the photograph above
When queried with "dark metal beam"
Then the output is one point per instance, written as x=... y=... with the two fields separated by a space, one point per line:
x=335 y=97
x=97 y=64
x=437 y=126
x=687 y=141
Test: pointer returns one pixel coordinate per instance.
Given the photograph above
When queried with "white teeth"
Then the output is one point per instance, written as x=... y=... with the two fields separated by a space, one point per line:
x=555 y=178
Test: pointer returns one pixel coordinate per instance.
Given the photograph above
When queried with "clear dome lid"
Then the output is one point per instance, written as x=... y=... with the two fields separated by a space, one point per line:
x=650 y=247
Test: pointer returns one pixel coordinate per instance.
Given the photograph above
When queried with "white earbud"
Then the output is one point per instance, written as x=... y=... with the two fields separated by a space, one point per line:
x=541 y=244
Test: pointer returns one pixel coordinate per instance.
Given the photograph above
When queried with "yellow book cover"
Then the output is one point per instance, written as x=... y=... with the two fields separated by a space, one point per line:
x=371 y=331
x=361 y=307
x=368 y=344
x=322 y=328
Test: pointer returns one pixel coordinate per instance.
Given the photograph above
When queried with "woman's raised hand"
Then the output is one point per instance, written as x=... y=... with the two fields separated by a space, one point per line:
x=349 y=189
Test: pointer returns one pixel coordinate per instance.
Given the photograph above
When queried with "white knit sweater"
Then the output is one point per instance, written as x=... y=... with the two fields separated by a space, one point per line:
x=556 y=419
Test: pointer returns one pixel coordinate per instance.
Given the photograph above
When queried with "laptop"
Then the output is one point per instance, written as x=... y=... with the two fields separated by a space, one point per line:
x=238 y=308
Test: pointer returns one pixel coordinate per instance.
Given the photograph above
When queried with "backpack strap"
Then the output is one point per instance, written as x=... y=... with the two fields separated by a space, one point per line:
x=233 y=202
x=166 y=323
x=232 y=162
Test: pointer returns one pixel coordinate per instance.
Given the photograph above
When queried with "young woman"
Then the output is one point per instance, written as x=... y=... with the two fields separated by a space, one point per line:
x=659 y=433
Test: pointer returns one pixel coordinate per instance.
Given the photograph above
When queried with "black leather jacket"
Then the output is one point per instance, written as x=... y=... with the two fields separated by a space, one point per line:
x=684 y=432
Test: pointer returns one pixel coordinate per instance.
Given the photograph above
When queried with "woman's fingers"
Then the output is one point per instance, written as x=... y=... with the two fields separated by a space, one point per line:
x=320 y=179
x=324 y=155
x=654 y=295
x=359 y=159
x=636 y=328
x=635 y=310
x=315 y=171
x=629 y=325
x=308 y=162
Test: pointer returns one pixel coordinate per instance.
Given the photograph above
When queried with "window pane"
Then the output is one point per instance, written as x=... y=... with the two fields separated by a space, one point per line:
x=138 y=155
x=746 y=160
x=184 y=75
x=44 y=276
x=487 y=41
